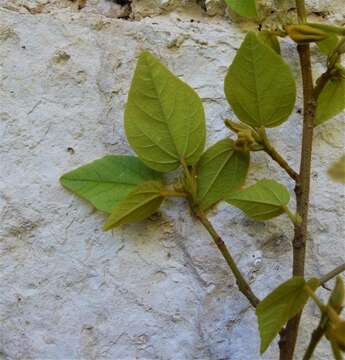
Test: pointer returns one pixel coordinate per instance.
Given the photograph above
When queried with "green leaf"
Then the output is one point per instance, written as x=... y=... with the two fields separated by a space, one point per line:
x=259 y=85
x=262 y=201
x=280 y=306
x=138 y=205
x=106 y=181
x=331 y=101
x=220 y=171
x=328 y=45
x=245 y=8
x=328 y=28
x=337 y=170
x=270 y=39
x=164 y=117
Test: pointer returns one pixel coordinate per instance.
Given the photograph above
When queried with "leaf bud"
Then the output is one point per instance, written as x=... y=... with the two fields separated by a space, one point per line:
x=328 y=28
x=244 y=140
x=336 y=300
x=303 y=33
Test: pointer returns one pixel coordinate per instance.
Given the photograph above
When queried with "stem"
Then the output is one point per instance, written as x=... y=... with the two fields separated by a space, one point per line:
x=322 y=81
x=295 y=218
x=339 y=269
x=242 y=284
x=273 y=153
x=301 y=11
x=336 y=351
x=289 y=334
x=315 y=339
x=316 y=300
x=190 y=179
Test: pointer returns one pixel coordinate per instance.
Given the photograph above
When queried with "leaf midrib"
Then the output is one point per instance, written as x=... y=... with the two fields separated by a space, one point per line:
x=143 y=203
x=161 y=107
x=231 y=153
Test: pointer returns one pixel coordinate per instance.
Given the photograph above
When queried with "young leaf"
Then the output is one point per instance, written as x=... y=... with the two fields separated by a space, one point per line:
x=220 y=171
x=337 y=170
x=328 y=45
x=259 y=85
x=328 y=28
x=245 y=8
x=138 y=205
x=164 y=117
x=262 y=201
x=280 y=306
x=331 y=101
x=106 y=181
x=270 y=39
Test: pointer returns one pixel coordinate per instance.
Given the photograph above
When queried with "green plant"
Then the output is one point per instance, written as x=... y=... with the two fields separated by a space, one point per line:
x=165 y=125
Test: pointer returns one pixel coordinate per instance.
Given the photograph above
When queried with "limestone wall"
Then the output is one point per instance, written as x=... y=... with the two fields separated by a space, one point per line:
x=158 y=289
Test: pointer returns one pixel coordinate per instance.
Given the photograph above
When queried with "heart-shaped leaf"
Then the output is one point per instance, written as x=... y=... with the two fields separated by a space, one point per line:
x=280 y=306
x=259 y=85
x=245 y=8
x=106 y=181
x=164 y=117
x=331 y=101
x=220 y=171
x=262 y=201
x=138 y=205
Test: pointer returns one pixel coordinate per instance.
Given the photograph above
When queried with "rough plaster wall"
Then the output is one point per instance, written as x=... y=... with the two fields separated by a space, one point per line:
x=158 y=289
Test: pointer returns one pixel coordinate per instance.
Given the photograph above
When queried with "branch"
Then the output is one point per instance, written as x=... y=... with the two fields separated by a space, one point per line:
x=332 y=274
x=320 y=330
x=321 y=82
x=333 y=59
x=242 y=284
x=315 y=339
x=273 y=153
x=289 y=334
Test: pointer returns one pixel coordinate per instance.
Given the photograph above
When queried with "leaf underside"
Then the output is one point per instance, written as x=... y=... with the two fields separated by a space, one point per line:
x=259 y=85
x=138 y=205
x=164 y=117
x=245 y=8
x=328 y=45
x=106 y=181
x=221 y=170
x=331 y=101
x=262 y=201
x=280 y=306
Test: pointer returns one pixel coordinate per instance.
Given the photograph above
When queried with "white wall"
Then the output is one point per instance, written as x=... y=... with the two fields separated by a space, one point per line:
x=158 y=289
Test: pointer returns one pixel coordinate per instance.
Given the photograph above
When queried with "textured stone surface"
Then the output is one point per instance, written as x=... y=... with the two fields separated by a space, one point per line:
x=154 y=290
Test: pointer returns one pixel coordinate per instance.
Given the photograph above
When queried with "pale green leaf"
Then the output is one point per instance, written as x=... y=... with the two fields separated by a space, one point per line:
x=328 y=45
x=262 y=201
x=106 y=181
x=164 y=117
x=337 y=170
x=245 y=8
x=280 y=306
x=138 y=205
x=220 y=171
x=269 y=39
x=259 y=85
x=331 y=101
x=328 y=28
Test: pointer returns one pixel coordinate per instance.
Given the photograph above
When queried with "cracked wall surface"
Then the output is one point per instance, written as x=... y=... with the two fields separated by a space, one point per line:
x=157 y=289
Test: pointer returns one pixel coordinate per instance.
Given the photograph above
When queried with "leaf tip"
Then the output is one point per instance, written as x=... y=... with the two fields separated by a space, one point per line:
x=107 y=226
x=62 y=180
x=145 y=55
